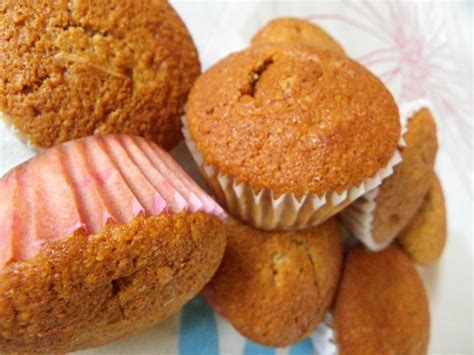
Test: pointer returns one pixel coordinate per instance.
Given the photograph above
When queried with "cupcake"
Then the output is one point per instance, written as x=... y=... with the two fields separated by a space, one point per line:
x=381 y=306
x=424 y=238
x=379 y=216
x=297 y=31
x=275 y=287
x=289 y=135
x=100 y=237
x=75 y=68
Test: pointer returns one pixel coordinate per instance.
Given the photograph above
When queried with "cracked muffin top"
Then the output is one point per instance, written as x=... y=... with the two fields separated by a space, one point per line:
x=275 y=287
x=293 y=118
x=75 y=68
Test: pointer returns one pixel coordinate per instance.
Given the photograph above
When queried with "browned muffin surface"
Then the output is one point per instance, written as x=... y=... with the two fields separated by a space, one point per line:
x=293 y=119
x=275 y=287
x=74 y=68
x=296 y=31
x=402 y=194
x=381 y=306
x=86 y=290
x=424 y=238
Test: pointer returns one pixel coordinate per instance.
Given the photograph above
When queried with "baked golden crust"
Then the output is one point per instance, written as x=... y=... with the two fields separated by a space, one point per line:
x=275 y=287
x=296 y=31
x=424 y=238
x=293 y=119
x=381 y=306
x=86 y=290
x=402 y=194
x=74 y=68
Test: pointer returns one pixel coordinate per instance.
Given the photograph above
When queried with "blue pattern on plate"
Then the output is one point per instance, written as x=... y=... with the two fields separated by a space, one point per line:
x=254 y=349
x=198 y=334
x=304 y=347
x=198 y=329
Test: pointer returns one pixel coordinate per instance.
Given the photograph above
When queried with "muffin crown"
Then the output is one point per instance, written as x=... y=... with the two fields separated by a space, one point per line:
x=293 y=119
x=75 y=68
x=295 y=30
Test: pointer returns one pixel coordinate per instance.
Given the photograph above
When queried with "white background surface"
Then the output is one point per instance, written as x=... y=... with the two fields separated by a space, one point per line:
x=220 y=27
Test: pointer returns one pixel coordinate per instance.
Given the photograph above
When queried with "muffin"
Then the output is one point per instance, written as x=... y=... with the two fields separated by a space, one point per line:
x=378 y=217
x=289 y=135
x=101 y=237
x=275 y=287
x=424 y=238
x=297 y=31
x=381 y=306
x=75 y=68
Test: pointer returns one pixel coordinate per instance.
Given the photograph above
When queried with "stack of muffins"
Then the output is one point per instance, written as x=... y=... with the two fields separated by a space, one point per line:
x=295 y=138
x=103 y=234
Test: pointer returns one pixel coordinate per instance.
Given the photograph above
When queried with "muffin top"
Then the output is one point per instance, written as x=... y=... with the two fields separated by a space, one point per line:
x=381 y=306
x=275 y=287
x=75 y=68
x=298 y=31
x=293 y=119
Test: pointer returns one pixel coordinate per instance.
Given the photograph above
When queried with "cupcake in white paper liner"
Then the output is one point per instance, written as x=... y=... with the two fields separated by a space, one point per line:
x=283 y=147
x=377 y=217
x=265 y=210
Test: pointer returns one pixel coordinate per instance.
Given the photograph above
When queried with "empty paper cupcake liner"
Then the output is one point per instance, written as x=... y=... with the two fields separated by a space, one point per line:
x=358 y=217
x=264 y=209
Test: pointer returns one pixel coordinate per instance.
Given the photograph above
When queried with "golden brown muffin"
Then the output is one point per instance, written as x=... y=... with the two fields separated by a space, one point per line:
x=75 y=68
x=100 y=237
x=295 y=120
x=104 y=286
x=276 y=287
x=296 y=31
x=381 y=306
x=424 y=238
x=402 y=194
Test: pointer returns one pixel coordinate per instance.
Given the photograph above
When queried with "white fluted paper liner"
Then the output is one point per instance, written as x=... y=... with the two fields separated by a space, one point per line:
x=263 y=209
x=12 y=150
x=324 y=337
x=22 y=137
x=358 y=217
